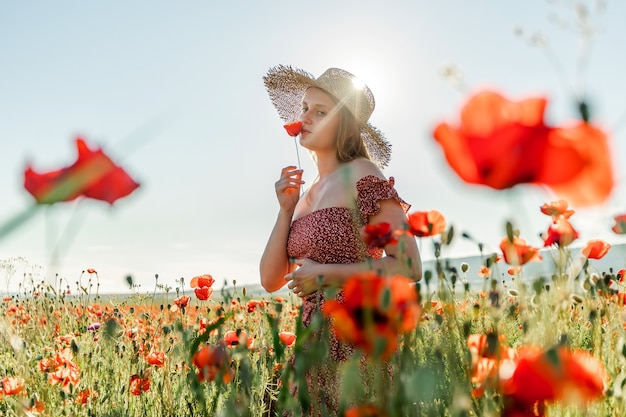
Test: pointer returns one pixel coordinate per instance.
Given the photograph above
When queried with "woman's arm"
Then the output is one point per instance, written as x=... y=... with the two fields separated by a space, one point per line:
x=274 y=263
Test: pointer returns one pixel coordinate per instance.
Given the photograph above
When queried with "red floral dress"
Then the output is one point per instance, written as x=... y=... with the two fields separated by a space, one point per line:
x=333 y=235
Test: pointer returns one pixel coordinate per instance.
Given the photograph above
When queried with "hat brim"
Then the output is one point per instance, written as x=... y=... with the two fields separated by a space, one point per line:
x=286 y=87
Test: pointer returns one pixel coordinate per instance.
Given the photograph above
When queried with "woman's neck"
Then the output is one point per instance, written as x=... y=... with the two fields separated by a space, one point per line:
x=326 y=166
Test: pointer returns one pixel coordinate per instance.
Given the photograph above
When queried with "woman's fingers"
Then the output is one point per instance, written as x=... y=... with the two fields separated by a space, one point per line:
x=290 y=177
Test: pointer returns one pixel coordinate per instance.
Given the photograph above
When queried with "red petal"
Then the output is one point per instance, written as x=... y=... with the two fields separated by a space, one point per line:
x=93 y=175
x=293 y=129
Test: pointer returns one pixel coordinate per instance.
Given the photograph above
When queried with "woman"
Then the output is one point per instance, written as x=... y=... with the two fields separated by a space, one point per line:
x=316 y=242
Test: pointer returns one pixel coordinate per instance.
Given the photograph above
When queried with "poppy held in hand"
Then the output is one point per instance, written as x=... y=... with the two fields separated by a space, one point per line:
x=293 y=129
x=93 y=175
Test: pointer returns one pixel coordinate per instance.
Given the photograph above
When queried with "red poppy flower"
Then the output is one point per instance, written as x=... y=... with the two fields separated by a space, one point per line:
x=203 y=293
x=595 y=249
x=501 y=143
x=211 y=361
x=12 y=385
x=140 y=383
x=38 y=407
x=85 y=395
x=518 y=252
x=514 y=270
x=287 y=338
x=620 y=224
x=156 y=358
x=93 y=175
x=484 y=271
x=554 y=375
x=561 y=233
x=182 y=301
x=374 y=309
x=293 y=129
x=378 y=235
x=251 y=305
x=588 y=145
x=556 y=209
x=364 y=410
x=200 y=281
x=487 y=356
x=495 y=140
x=234 y=338
x=426 y=223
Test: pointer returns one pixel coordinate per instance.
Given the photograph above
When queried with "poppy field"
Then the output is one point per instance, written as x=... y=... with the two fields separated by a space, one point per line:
x=518 y=346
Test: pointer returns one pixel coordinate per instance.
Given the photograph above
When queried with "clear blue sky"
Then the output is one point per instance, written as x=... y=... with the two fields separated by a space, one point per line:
x=173 y=90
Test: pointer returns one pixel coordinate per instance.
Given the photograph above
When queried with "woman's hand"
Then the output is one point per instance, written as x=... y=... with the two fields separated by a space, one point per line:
x=288 y=188
x=305 y=280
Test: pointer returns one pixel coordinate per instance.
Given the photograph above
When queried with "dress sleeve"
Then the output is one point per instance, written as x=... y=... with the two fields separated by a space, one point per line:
x=371 y=190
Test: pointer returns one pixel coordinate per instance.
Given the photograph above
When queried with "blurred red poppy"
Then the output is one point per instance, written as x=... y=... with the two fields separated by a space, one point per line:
x=211 y=362
x=587 y=144
x=364 y=410
x=620 y=224
x=501 y=143
x=560 y=233
x=556 y=209
x=374 y=312
x=85 y=395
x=251 y=305
x=156 y=358
x=595 y=249
x=182 y=301
x=518 y=252
x=488 y=354
x=234 y=338
x=378 y=235
x=558 y=374
x=140 y=383
x=426 y=223
x=287 y=338
x=93 y=175
x=12 y=385
x=293 y=129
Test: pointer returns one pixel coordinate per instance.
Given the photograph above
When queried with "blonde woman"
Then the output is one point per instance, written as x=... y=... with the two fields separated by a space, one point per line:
x=316 y=242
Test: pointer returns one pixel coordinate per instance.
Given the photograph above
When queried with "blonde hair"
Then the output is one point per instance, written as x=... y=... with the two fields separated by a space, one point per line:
x=350 y=145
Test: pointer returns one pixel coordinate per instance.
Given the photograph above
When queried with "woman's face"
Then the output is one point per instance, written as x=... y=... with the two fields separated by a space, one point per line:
x=320 y=121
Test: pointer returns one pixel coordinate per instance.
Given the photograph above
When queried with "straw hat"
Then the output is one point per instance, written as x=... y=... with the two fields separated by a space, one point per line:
x=286 y=87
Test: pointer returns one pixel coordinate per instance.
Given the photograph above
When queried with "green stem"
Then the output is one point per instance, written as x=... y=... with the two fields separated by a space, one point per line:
x=17 y=220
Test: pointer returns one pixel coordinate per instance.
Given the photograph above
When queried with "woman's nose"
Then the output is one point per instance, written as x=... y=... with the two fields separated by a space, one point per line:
x=305 y=116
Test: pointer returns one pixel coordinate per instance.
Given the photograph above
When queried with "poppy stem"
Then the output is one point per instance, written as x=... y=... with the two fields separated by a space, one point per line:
x=16 y=221
x=297 y=153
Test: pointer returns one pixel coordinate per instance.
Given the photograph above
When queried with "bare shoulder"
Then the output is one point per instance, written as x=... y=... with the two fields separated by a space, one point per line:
x=362 y=167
